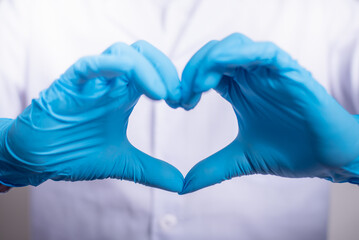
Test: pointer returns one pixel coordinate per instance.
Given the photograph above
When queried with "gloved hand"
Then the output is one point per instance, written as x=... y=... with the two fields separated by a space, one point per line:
x=288 y=124
x=76 y=129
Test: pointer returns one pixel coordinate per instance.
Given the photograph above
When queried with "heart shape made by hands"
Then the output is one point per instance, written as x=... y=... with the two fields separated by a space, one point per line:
x=288 y=124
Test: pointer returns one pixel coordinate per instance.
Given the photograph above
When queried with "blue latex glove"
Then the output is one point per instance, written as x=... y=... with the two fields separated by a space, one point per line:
x=288 y=124
x=76 y=129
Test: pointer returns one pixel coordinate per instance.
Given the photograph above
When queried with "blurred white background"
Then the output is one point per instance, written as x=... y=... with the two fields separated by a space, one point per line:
x=343 y=215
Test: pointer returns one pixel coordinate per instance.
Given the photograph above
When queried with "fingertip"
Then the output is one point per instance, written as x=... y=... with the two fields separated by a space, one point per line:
x=186 y=187
x=183 y=192
x=176 y=93
x=165 y=69
x=196 y=178
x=140 y=44
x=174 y=180
x=174 y=97
x=160 y=95
x=173 y=105
x=190 y=74
x=154 y=172
x=188 y=107
x=168 y=178
x=191 y=102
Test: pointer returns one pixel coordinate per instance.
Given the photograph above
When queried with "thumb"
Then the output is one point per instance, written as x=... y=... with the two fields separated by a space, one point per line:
x=141 y=168
x=227 y=163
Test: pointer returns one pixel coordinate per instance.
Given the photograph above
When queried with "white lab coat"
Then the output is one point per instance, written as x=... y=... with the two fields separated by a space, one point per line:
x=39 y=39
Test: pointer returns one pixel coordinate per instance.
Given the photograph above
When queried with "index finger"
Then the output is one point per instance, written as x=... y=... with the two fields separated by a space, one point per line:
x=189 y=97
x=165 y=69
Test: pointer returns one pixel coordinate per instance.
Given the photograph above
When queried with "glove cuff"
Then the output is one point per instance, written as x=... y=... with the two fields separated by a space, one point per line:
x=14 y=171
x=353 y=171
x=5 y=124
x=354 y=166
x=349 y=173
x=4 y=188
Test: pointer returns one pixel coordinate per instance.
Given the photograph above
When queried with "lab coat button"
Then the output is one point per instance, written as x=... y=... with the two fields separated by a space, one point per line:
x=168 y=221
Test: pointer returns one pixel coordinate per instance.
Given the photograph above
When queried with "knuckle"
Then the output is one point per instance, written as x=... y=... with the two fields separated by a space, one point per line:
x=82 y=60
x=119 y=45
x=81 y=65
x=140 y=45
x=212 y=42
x=272 y=51
x=213 y=57
x=116 y=48
x=213 y=53
x=269 y=44
x=271 y=47
x=236 y=36
x=85 y=67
